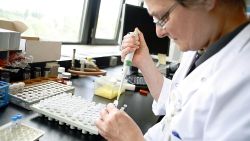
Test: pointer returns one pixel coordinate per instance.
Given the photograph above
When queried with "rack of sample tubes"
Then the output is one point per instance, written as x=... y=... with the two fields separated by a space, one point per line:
x=71 y=110
x=16 y=131
x=34 y=93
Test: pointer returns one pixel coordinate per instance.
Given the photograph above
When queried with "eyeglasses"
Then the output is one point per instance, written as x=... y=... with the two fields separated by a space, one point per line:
x=163 y=20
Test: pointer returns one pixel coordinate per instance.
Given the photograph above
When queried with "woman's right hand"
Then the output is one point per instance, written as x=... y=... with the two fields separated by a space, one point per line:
x=131 y=43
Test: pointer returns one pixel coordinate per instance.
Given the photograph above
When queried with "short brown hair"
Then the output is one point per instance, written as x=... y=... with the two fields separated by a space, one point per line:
x=240 y=4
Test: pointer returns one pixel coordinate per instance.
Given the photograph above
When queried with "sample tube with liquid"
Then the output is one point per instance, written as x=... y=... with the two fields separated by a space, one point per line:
x=37 y=73
x=5 y=76
x=13 y=125
x=66 y=78
x=26 y=74
x=46 y=72
x=19 y=118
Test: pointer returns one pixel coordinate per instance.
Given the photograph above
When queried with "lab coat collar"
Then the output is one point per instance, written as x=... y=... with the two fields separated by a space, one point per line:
x=218 y=45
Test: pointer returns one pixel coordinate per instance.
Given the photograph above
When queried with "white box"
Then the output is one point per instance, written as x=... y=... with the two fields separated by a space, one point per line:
x=9 y=40
x=43 y=51
x=4 y=41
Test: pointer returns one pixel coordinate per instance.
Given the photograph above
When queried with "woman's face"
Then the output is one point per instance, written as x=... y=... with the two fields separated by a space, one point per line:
x=189 y=27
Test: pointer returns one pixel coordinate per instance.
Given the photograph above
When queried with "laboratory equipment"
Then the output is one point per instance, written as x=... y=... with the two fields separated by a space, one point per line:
x=15 y=131
x=137 y=79
x=60 y=71
x=66 y=78
x=34 y=93
x=37 y=72
x=88 y=67
x=4 y=93
x=73 y=59
x=82 y=62
x=71 y=110
x=107 y=86
x=46 y=72
x=126 y=65
x=26 y=73
x=5 y=76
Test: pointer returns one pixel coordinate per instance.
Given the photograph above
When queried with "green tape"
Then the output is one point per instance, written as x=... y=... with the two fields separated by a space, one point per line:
x=128 y=63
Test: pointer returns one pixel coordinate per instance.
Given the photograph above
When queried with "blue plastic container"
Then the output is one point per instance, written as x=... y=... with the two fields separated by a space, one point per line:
x=4 y=93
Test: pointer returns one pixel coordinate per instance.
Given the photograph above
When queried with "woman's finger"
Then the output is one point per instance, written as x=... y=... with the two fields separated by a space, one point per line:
x=131 y=45
x=103 y=114
x=111 y=108
x=126 y=51
x=99 y=123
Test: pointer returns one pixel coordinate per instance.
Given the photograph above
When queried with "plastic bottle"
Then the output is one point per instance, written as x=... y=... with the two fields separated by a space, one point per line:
x=61 y=70
x=13 y=131
x=66 y=77
x=19 y=118
x=13 y=125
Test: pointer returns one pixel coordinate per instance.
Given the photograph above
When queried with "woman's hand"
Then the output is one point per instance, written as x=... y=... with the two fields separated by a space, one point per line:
x=132 y=42
x=116 y=125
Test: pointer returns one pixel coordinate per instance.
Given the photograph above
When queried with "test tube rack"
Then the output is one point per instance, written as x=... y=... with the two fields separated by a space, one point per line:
x=71 y=110
x=34 y=93
x=19 y=132
x=4 y=96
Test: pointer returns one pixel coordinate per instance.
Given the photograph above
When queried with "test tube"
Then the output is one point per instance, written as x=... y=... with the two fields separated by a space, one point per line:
x=5 y=76
x=26 y=74
x=46 y=72
x=13 y=125
x=37 y=72
x=19 y=118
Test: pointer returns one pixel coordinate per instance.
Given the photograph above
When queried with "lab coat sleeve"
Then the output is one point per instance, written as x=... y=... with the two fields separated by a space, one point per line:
x=159 y=106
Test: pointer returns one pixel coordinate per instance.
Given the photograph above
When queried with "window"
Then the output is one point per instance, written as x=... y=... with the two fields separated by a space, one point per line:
x=108 y=19
x=57 y=20
x=72 y=22
x=134 y=2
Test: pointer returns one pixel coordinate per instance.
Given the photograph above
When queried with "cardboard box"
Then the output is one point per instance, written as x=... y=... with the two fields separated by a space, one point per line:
x=9 y=40
x=10 y=33
x=4 y=41
x=13 y=26
x=43 y=51
x=40 y=50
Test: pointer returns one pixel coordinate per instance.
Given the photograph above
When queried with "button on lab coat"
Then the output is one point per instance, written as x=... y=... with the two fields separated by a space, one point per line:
x=215 y=96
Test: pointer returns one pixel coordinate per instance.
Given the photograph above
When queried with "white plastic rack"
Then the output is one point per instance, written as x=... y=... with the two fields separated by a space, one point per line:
x=34 y=93
x=19 y=132
x=71 y=110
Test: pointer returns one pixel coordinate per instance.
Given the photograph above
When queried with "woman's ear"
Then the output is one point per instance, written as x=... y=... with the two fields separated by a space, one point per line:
x=210 y=4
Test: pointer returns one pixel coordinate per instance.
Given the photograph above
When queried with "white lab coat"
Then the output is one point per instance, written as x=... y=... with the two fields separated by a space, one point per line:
x=215 y=96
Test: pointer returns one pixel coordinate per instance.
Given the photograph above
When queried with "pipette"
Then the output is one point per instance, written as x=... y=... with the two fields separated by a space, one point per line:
x=127 y=63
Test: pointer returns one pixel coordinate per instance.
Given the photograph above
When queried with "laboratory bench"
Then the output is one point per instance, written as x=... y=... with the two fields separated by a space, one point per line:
x=139 y=108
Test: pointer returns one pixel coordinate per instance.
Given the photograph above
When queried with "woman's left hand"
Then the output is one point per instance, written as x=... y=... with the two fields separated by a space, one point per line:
x=116 y=125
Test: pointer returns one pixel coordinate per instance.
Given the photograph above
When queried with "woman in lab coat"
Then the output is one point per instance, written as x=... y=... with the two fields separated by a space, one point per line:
x=208 y=98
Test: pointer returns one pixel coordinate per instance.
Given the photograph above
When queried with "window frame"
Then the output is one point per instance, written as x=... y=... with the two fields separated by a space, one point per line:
x=97 y=41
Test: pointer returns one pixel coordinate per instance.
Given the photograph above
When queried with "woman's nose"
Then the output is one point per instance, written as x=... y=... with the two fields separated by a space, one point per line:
x=161 y=32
